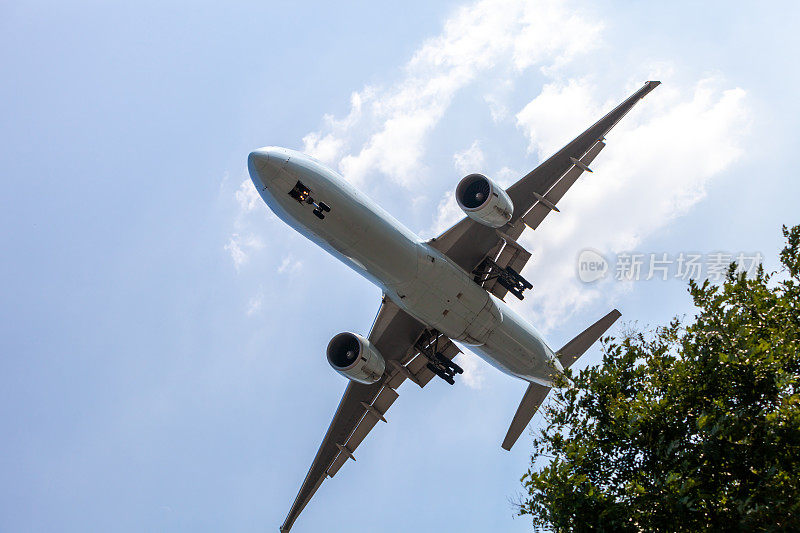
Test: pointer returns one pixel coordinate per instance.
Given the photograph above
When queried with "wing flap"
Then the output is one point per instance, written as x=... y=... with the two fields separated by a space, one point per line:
x=385 y=399
x=393 y=333
x=545 y=175
x=468 y=242
x=345 y=419
x=548 y=202
x=418 y=373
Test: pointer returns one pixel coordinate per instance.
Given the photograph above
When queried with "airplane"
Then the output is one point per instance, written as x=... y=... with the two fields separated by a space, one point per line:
x=449 y=288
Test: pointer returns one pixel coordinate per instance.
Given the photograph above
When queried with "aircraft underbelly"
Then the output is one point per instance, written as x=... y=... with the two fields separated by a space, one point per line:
x=421 y=280
x=355 y=231
x=517 y=348
x=444 y=297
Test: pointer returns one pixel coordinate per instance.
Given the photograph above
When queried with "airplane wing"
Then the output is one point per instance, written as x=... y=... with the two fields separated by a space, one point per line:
x=397 y=337
x=470 y=244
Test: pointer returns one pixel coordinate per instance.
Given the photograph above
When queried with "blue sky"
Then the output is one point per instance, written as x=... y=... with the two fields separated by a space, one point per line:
x=162 y=346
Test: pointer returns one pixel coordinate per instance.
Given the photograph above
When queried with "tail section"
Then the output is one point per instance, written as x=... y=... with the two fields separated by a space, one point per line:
x=533 y=398
x=567 y=355
x=577 y=346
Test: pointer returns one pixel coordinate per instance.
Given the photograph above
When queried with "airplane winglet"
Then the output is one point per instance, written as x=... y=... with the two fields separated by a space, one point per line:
x=649 y=86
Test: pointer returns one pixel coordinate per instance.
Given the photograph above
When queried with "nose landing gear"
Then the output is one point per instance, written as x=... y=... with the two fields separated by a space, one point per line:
x=302 y=194
x=319 y=208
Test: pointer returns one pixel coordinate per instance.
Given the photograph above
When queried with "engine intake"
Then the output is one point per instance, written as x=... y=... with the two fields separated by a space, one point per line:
x=483 y=200
x=355 y=358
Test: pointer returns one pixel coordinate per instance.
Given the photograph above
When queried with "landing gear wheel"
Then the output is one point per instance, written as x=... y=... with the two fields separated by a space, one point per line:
x=325 y=207
x=447 y=363
x=442 y=373
x=318 y=214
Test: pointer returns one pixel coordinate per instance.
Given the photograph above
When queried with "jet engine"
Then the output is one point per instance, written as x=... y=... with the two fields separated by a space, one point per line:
x=355 y=358
x=483 y=200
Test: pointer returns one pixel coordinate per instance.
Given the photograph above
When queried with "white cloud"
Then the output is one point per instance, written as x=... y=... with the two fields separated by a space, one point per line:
x=557 y=115
x=224 y=182
x=656 y=166
x=473 y=375
x=447 y=214
x=470 y=160
x=240 y=247
x=496 y=99
x=247 y=196
x=497 y=107
x=387 y=129
x=243 y=242
x=254 y=304
x=555 y=33
x=328 y=147
x=290 y=265
x=506 y=176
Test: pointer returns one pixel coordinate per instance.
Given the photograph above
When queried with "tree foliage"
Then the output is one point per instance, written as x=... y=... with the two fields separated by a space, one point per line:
x=687 y=428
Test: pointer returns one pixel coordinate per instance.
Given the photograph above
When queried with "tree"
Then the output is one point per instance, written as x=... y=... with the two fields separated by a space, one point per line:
x=687 y=428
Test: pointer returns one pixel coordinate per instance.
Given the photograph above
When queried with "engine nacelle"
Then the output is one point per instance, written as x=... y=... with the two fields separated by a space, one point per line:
x=355 y=358
x=483 y=200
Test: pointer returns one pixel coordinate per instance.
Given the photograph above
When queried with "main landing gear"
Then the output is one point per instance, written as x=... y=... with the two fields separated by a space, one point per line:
x=302 y=194
x=507 y=277
x=437 y=363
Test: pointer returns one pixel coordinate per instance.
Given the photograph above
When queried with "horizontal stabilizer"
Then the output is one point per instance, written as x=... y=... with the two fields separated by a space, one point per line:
x=577 y=346
x=533 y=398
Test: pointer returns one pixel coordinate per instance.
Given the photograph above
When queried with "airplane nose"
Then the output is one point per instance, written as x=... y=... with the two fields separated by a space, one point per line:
x=265 y=164
x=258 y=159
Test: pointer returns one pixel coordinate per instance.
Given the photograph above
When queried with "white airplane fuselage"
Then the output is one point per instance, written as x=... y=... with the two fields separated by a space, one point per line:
x=419 y=279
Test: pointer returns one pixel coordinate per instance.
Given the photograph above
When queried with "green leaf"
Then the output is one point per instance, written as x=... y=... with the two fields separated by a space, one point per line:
x=685 y=427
